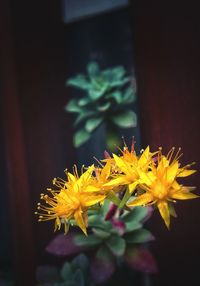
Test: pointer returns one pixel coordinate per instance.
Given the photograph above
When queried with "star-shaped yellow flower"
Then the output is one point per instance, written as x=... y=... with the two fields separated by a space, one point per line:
x=71 y=201
x=160 y=184
x=130 y=167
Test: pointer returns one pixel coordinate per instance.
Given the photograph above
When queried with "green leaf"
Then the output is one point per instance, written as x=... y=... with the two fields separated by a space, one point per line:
x=93 y=69
x=112 y=138
x=105 y=207
x=93 y=123
x=80 y=262
x=115 y=76
x=133 y=225
x=98 y=88
x=116 y=95
x=129 y=96
x=137 y=214
x=83 y=115
x=79 y=81
x=84 y=101
x=125 y=119
x=139 y=236
x=80 y=137
x=90 y=240
x=125 y=198
x=79 y=278
x=116 y=244
x=102 y=234
x=107 y=75
x=104 y=107
x=118 y=72
x=120 y=83
x=94 y=220
x=72 y=106
x=97 y=221
x=66 y=271
x=113 y=198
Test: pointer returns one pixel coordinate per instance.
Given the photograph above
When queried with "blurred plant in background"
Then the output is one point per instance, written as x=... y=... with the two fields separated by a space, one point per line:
x=73 y=273
x=107 y=97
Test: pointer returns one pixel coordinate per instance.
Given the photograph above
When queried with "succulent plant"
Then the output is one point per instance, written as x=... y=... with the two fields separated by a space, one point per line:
x=116 y=238
x=107 y=98
x=119 y=238
x=74 y=273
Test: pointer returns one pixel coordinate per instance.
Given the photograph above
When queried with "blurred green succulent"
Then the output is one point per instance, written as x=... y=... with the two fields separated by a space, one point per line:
x=74 y=273
x=107 y=98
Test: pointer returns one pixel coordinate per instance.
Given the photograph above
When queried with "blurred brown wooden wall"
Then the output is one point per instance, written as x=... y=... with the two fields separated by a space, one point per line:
x=166 y=40
x=167 y=45
x=37 y=133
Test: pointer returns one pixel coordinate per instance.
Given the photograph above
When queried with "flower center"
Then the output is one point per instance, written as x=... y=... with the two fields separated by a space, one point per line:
x=159 y=190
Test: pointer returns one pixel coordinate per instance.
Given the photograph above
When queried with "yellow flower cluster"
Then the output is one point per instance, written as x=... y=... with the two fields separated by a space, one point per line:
x=150 y=178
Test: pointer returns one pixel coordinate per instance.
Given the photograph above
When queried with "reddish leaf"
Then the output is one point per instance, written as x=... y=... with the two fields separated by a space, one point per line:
x=111 y=212
x=119 y=225
x=103 y=265
x=140 y=259
x=63 y=245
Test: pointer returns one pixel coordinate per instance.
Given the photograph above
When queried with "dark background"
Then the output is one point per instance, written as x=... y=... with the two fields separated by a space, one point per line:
x=35 y=147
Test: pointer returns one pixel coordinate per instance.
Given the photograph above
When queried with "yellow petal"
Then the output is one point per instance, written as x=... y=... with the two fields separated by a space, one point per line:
x=146 y=178
x=144 y=157
x=164 y=212
x=93 y=200
x=141 y=200
x=185 y=173
x=184 y=194
x=125 y=168
x=172 y=171
x=66 y=226
x=176 y=186
x=122 y=180
x=85 y=176
x=105 y=173
x=71 y=177
x=163 y=164
x=172 y=209
x=91 y=188
x=132 y=186
x=57 y=224
x=78 y=215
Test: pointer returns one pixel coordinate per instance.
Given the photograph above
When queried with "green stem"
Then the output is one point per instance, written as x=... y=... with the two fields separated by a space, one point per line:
x=112 y=137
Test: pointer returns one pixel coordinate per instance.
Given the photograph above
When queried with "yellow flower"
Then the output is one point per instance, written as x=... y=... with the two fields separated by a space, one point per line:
x=71 y=201
x=103 y=176
x=130 y=167
x=160 y=184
